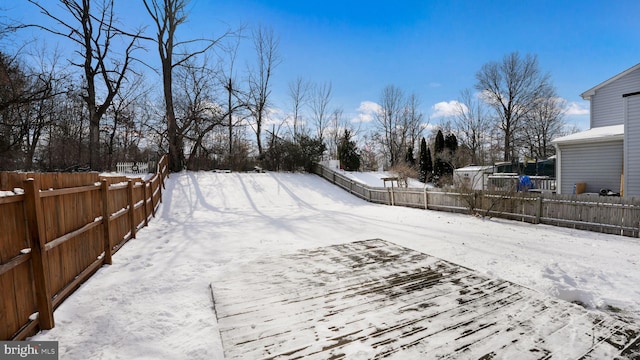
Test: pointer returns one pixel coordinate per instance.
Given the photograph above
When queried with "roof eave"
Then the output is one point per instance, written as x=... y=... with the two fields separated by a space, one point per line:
x=610 y=138
x=589 y=93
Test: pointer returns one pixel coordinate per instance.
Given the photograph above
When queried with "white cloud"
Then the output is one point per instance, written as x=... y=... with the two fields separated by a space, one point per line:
x=274 y=116
x=447 y=108
x=434 y=85
x=575 y=108
x=366 y=111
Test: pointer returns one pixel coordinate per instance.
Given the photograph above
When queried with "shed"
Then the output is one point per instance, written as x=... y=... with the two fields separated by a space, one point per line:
x=472 y=177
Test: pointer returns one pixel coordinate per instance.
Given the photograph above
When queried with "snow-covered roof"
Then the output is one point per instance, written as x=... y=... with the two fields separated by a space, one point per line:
x=597 y=134
x=589 y=93
x=475 y=168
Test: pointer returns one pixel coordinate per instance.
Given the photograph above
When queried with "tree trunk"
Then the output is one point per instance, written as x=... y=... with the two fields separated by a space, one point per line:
x=258 y=134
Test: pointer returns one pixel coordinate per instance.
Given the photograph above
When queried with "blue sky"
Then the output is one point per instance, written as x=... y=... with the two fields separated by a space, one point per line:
x=431 y=48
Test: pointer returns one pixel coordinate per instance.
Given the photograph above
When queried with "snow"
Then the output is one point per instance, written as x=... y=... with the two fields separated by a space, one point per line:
x=374 y=179
x=475 y=168
x=155 y=301
x=603 y=133
x=16 y=191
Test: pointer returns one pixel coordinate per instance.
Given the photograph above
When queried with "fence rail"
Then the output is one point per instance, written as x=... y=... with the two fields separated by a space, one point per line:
x=611 y=215
x=58 y=233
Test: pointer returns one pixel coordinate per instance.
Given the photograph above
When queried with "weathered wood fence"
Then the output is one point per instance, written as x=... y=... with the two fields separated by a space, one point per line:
x=57 y=234
x=611 y=215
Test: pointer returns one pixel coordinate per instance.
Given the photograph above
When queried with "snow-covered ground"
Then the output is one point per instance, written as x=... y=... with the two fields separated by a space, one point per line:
x=155 y=302
x=374 y=178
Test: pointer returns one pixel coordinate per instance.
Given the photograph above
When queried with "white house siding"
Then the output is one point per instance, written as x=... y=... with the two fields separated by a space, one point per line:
x=597 y=164
x=632 y=146
x=607 y=107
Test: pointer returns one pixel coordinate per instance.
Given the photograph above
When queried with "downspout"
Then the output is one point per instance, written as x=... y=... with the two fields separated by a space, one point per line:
x=558 y=169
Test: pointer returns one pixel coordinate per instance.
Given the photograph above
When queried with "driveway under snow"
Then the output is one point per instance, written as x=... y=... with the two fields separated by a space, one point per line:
x=155 y=300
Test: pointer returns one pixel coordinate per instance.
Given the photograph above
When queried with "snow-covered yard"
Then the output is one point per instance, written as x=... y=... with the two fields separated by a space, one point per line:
x=155 y=300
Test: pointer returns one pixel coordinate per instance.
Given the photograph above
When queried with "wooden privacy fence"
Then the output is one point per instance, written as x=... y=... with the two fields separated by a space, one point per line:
x=58 y=233
x=611 y=215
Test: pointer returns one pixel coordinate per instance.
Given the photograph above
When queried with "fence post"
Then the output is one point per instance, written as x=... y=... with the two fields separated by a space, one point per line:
x=144 y=202
x=538 y=209
x=39 y=259
x=160 y=186
x=391 y=199
x=153 y=205
x=132 y=218
x=426 y=199
x=106 y=222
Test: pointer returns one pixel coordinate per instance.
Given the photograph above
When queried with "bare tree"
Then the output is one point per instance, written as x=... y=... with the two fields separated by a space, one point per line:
x=337 y=128
x=400 y=123
x=167 y=16
x=197 y=110
x=266 y=47
x=55 y=81
x=511 y=87
x=95 y=34
x=27 y=96
x=125 y=130
x=66 y=133
x=388 y=119
x=299 y=95
x=545 y=121
x=320 y=99
x=472 y=125
x=234 y=101
x=412 y=121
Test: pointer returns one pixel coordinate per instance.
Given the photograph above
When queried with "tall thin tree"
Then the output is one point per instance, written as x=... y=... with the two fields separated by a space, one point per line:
x=511 y=88
x=168 y=16
x=266 y=46
x=472 y=123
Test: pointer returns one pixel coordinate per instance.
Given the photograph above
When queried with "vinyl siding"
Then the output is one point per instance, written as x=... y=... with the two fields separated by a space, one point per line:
x=597 y=164
x=607 y=106
x=632 y=146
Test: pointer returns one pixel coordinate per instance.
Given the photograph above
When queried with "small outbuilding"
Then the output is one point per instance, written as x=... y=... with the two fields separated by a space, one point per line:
x=472 y=177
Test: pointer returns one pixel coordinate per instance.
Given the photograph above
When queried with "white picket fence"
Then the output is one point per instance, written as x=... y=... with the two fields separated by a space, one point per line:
x=130 y=167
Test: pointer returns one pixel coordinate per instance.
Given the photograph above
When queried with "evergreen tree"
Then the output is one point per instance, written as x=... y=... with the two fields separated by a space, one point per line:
x=450 y=148
x=408 y=158
x=451 y=143
x=439 y=165
x=424 y=162
x=429 y=168
x=438 y=146
x=348 y=153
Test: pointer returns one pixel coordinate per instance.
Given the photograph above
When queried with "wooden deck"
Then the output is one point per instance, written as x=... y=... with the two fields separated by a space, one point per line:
x=374 y=299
